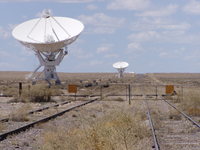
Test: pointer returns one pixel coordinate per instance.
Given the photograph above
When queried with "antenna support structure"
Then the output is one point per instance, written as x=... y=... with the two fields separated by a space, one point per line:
x=49 y=60
x=48 y=37
x=121 y=72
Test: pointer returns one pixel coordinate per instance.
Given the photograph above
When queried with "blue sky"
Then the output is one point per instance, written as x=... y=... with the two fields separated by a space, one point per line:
x=151 y=35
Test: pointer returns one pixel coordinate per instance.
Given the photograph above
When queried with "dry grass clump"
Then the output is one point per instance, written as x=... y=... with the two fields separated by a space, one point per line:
x=194 y=111
x=177 y=98
x=9 y=90
x=157 y=118
x=117 y=131
x=21 y=114
x=119 y=99
x=191 y=103
x=2 y=126
x=38 y=93
x=174 y=115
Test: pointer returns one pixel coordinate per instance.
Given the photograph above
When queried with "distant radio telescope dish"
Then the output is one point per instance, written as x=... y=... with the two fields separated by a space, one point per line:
x=48 y=37
x=120 y=66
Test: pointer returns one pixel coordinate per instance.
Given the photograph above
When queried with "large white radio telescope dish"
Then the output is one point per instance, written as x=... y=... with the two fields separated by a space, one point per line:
x=48 y=37
x=120 y=66
x=48 y=34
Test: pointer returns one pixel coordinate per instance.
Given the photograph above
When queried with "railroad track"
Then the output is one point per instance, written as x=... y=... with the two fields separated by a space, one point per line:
x=22 y=128
x=181 y=134
x=39 y=110
x=151 y=123
x=30 y=124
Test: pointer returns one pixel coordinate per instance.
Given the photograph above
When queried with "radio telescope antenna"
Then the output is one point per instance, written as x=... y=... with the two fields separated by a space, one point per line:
x=120 y=66
x=48 y=37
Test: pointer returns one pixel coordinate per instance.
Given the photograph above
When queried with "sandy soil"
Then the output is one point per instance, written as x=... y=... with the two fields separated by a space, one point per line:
x=174 y=134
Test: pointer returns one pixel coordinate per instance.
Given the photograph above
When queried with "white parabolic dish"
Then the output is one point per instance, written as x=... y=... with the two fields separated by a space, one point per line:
x=120 y=65
x=48 y=34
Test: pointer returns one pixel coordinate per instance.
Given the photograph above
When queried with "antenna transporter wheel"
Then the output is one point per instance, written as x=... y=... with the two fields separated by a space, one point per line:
x=48 y=37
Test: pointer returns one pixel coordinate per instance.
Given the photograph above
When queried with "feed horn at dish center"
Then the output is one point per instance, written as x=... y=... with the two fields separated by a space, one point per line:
x=48 y=37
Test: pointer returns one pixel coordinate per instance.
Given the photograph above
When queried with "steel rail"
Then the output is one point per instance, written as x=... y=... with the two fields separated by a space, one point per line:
x=47 y=107
x=84 y=95
x=185 y=115
x=25 y=127
x=2 y=95
x=156 y=143
x=39 y=110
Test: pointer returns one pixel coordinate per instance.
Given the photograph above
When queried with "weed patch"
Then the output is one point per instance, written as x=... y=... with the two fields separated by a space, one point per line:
x=21 y=114
x=117 y=131
x=191 y=103
x=37 y=93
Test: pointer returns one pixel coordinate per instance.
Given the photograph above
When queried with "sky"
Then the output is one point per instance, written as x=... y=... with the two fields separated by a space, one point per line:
x=151 y=35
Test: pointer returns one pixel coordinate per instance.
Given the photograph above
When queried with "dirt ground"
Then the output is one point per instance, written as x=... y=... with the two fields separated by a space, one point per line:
x=141 y=84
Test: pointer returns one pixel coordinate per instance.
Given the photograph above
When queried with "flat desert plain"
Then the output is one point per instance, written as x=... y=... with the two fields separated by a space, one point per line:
x=116 y=121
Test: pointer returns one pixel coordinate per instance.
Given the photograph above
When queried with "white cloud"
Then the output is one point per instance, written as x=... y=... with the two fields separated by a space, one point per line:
x=169 y=10
x=104 y=48
x=128 y=4
x=73 y=1
x=95 y=62
x=15 y=1
x=4 y=33
x=92 y=7
x=166 y=36
x=60 y=1
x=177 y=52
x=179 y=26
x=158 y=23
x=143 y=36
x=81 y=54
x=192 y=7
x=25 y=51
x=163 y=54
x=111 y=56
x=7 y=66
x=11 y=26
x=4 y=54
x=134 y=46
x=101 y=23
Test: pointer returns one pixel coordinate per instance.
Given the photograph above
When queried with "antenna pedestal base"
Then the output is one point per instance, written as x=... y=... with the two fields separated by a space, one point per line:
x=50 y=74
x=49 y=60
x=121 y=71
